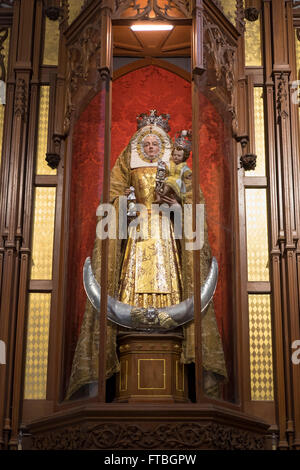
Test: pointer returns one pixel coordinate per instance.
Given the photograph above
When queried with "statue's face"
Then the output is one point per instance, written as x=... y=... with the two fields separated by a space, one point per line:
x=151 y=145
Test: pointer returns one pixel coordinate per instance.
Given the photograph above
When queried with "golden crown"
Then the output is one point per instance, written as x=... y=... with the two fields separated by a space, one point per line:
x=184 y=140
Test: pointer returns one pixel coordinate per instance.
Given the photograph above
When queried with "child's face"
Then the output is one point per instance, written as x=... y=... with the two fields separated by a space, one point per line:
x=178 y=156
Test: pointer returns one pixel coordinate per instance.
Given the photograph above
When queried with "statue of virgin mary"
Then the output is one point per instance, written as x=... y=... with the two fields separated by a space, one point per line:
x=147 y=272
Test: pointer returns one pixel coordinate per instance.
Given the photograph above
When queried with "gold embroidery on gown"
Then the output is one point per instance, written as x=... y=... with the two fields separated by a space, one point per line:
x=150 y=274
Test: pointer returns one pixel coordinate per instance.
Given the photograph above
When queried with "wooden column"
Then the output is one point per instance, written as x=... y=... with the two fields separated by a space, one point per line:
x=55 y=366
x=241 y=134
x=284 y=195
x=25 y=221
x=6 y=253
x=105 y=71
x=295 y=150
x=197 y=70
x=275 y=228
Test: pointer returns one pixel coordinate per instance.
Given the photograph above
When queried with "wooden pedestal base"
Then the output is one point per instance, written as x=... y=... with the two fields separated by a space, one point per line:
x=150 y=369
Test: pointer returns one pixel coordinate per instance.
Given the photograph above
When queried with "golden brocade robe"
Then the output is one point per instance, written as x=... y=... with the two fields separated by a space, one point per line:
x=148 y=272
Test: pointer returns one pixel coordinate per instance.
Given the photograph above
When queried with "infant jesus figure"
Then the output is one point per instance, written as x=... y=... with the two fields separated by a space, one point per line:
x=172 y=188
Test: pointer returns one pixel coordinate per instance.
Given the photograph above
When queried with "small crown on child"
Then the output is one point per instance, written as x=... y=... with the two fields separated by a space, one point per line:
x=184 y=140
x=153 y=119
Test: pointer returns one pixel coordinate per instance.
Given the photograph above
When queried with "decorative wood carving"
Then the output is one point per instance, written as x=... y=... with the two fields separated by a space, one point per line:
x=282 y=105
x=181 y=436
x=156 y=436
x=52 y=9
x=121 y=5
x=223 y=54
x=80 y=54
x=221 y=51
x=251 y=14
x=163 y=12
x=185 y=6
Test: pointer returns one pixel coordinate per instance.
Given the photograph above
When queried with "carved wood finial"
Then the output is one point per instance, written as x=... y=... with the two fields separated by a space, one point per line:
x=52 y=9
x=221 y=51
x=81 y=54
x=248 y=161
x=52 y=160
x=251 y=14
x=252 y=10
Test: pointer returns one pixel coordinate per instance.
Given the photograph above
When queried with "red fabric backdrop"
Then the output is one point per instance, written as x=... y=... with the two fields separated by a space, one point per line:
x=139 y=91
x=85 y=193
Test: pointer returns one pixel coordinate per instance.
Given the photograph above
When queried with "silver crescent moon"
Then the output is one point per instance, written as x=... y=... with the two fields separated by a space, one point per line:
x=120 y=313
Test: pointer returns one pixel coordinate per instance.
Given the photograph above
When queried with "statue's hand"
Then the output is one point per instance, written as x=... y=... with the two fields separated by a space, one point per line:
x=157 y=198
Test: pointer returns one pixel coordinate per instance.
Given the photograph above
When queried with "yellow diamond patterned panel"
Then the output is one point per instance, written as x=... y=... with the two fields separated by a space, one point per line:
x=259 y=130
x=4 y=52
x=253 y=44
x=260 y=342
x=74 y=9
x=51 y=43
x=42 y=167
x=257 y=235
x=37 y=346
x=43 y=231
